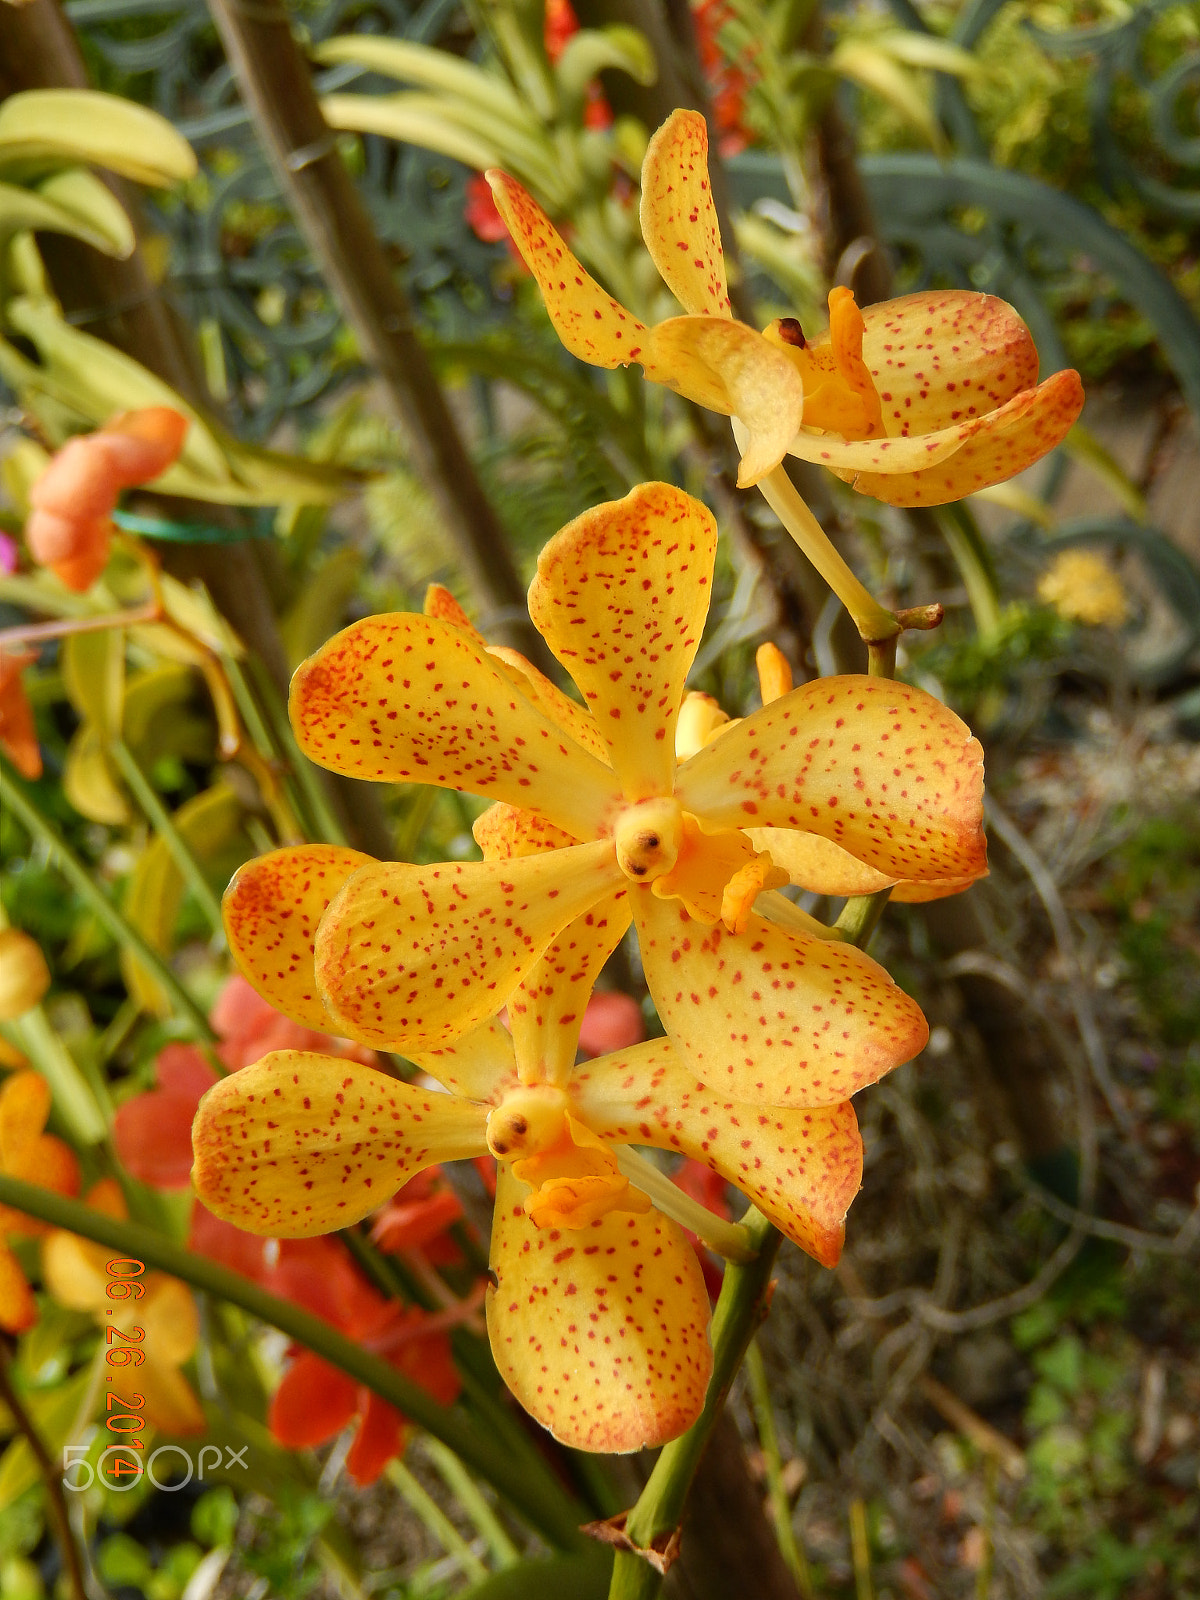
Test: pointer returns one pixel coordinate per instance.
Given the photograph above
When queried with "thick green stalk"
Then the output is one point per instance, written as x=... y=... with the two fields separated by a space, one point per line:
x=537 y=1497
x=659 y=1511
x=14 y=793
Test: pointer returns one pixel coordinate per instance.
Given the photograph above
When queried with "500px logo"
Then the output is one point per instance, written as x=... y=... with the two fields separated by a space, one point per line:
x=125 y=1469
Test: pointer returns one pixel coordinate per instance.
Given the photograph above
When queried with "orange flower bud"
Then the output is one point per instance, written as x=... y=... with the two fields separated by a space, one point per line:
x=18 y=738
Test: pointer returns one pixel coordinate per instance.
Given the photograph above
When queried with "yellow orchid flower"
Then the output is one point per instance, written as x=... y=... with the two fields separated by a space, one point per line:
x=34 y=1156
x=918 y=400
x=74 y=1273
x=595 y=805
x=598 y=1314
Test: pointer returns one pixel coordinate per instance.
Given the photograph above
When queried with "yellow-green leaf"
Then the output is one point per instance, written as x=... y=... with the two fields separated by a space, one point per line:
x=90 y=781
x=52 y=127
x=93 y=669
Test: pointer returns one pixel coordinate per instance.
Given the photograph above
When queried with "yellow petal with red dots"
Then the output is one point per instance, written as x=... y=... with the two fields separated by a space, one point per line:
x=591 y=324
x=300 y=1144
x=679 y=219
x=546 y=1011
x=621 y=596
x=478 y=1066
x=881 y=768
x=601 y=1332
x=802 y=1167
x=564 y=712
x=773 y=1016
x=505 y=832
x=733 y=369
x=931 y=469
x=271 y=910
x=404 y=698
x=944 y=356
x=409 y=957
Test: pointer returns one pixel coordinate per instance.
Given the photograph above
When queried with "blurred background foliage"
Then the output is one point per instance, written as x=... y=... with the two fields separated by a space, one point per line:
x=997 y=1395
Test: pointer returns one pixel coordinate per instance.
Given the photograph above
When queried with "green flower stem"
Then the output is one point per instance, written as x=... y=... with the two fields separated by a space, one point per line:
x=871 y=619
x=860 y=917
x=466 y=1491
x=437 y=1524
x=160 y=819
x=536 y=1495
x=728 y=1239
x=781 y=1512
x=15 y=794
x=739 y=1310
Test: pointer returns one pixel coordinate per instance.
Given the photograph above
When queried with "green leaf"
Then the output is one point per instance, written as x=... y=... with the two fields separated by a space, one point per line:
x=53 y=1412
x=155 y=893
x=409 y=62
x=875 y=69
x=44 y=209
x=93 y=670
x=99 y=216
x=592 y=50
x=585 y=1577
x=318 y=610
x=48 y=128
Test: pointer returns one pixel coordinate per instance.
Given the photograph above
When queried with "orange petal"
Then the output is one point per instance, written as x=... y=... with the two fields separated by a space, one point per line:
x=439 y=602
x=600 y=1332
x=945 y=356
x=24 y=1107
x=706 y=867
x=18 y=1308
x=312 y=1404
x=301 y=1144
x=733 y=369
x=932 y=469
x=412 y=957
x=271 y=911
x=18 y=733
x=591 y=324
x=679 y=219
x=773 y=1016
x=406 y=698
x=621 y=596
x=916 y=894
x=380 y=1438
x=802 y=1167
x=882 y=769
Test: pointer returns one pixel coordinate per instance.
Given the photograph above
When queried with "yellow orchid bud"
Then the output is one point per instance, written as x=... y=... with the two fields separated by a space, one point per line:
x=24 y=975
x=700 y=718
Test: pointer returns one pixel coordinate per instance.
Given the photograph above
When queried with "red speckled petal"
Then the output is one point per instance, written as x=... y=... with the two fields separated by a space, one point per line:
x=505 y=832
x=882 y=769
x=600 y=1332
x=802 y=1167
x=679 y=219
x=301 y=1144
x=408 y=698
x=932 y=469
x=945 y=356
x=566 y=713
x=271 y=911
x=733 y=369
x=773 y=1016
x=590 y=323
x=410 y=958
x=621 y=596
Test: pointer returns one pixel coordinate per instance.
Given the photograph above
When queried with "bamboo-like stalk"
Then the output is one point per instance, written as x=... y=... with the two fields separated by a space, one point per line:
x=533 y=1493
x=277 y=87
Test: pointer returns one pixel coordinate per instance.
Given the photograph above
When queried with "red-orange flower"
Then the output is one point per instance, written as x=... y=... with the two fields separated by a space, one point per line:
x=70 y=527
x=18 y=737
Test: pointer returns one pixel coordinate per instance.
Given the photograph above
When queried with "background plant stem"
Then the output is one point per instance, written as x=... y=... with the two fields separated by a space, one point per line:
x=538 y=1498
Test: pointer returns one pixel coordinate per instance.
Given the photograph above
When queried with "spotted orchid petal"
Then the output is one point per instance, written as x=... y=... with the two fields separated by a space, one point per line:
x=881 y=768
x=679 y=219
x=565 y=713
x=930 y=469
x=591 y=324
x=621 y=596
x=411 y=957
x=601 y=1332
x=300 y=1144
x=773 y=1016
x=802 y=1167
x=477 y=1067
x=271 y=910
x=546 y=1009
x=408 y=698
x=817 y=864
x=733 y=369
